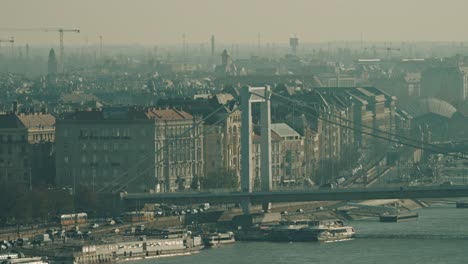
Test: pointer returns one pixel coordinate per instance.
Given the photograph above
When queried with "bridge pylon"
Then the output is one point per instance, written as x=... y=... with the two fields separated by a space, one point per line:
x=251 y=95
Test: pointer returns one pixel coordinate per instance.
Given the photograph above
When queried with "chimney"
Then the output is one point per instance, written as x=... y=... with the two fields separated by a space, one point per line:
x=15 y=107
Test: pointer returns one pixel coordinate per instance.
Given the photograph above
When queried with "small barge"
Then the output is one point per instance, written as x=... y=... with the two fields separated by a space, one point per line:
x=398 y=217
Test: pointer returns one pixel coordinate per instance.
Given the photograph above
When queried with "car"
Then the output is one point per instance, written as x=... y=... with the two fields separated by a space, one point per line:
x=300 y=211
x=158 y=213
x=284 y=212
x=94 y=225
x=447 y=183
x=327 y=186
x=87 y=234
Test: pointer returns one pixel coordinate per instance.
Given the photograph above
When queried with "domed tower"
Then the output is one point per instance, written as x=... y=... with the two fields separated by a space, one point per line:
x=52 y=63
x=225 y=58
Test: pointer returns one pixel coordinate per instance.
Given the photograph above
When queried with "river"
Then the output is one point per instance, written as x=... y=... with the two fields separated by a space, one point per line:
x=440 y=235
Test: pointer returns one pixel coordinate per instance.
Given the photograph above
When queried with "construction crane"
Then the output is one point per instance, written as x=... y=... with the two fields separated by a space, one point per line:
x=61 y=31
x=387 y=49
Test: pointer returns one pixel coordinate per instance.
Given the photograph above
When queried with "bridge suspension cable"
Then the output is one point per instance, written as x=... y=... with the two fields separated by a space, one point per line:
x=117 y=181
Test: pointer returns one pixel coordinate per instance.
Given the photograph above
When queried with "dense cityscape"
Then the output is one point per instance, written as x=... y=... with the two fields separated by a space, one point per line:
x=114 y=153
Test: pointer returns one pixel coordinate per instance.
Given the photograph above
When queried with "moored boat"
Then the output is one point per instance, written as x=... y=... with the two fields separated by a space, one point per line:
x=398 y=217
x=217 y=239
x=306 y=230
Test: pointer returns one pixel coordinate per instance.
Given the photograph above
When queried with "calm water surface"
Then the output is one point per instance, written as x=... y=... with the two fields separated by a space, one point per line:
x=440 y=235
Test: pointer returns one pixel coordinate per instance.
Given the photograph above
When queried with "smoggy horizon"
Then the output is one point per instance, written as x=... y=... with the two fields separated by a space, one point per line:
x=161 y=22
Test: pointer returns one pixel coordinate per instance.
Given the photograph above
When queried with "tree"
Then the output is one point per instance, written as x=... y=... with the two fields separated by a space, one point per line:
x=224 y=179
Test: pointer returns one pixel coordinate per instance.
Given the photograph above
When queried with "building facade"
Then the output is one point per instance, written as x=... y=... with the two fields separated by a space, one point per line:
x=128 y=149
x=26 y=148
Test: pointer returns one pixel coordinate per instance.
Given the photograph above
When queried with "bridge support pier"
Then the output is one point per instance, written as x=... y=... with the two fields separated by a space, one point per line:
x=245 y=205
x=266 y=207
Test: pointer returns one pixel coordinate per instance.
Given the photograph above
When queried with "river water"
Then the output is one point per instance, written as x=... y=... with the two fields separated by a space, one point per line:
x=440 y=235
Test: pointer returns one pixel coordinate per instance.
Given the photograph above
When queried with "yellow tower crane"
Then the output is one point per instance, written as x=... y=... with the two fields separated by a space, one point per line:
x=61 y=31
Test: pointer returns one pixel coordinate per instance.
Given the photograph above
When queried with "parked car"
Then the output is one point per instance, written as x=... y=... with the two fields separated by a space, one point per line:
x=446 y=184
x=327 y=186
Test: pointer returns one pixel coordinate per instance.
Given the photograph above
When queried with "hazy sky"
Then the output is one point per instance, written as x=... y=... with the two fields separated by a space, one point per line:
x=153 y=22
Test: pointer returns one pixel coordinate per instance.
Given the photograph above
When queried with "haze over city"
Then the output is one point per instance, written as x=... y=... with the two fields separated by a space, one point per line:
x=202 y=131
x=156 y=22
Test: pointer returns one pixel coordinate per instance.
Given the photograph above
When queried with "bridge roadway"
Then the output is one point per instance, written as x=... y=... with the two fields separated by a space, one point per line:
x=340 y=194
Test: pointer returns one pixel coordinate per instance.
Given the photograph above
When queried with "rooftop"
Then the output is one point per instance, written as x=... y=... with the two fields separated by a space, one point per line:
x=36 y=120
x=284 y=131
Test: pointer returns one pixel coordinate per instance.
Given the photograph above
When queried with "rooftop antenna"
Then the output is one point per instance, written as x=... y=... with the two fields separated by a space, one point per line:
x=294 y=43
x=100 y=46
x=212 y=45
x=361 y=42
x=259 y=43
x=183 y=45
x=27 y=51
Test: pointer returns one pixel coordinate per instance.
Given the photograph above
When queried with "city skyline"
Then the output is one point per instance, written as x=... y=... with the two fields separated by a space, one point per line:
x=165 y=22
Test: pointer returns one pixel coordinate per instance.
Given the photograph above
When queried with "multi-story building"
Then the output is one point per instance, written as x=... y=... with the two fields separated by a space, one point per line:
x=26 y=147
x=444 y=82
x=291 y=153
x=132 y=149
x=222 y=144
x=287 y=156
x=221 y=132
x=178 y=140
x=276 y=161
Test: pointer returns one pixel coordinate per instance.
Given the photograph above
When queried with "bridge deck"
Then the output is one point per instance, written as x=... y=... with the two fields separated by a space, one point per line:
x=347 y=194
